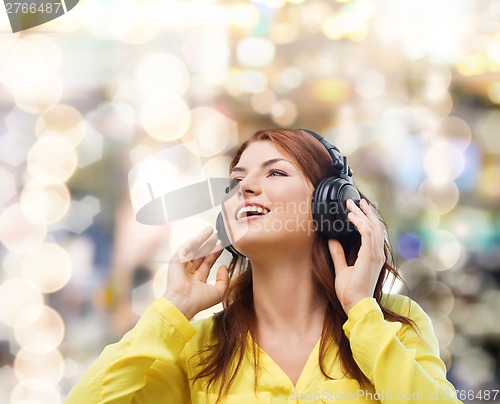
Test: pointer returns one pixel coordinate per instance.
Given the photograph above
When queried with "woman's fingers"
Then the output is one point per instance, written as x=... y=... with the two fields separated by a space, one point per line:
x=193 y=252
x=338 y=255
x=207 y=248
x=204 y=269
x=371 y=229
x=187 y=251
x=366 y=220
x=359 y=218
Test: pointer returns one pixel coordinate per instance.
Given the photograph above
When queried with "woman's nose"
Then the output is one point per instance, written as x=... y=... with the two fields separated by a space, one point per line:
x=249 y=185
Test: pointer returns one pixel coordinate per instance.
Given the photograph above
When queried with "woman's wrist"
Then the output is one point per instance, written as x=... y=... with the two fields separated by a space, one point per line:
x=183 y=304
x=347 y=308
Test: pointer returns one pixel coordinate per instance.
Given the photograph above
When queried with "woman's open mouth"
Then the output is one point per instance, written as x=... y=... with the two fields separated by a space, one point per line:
x=251 y=211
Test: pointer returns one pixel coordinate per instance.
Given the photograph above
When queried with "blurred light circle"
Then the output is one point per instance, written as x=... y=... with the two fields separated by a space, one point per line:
x=370 y=84
x=288 y=79
x=283 y=33
x=487 y=132
x=472 y=64
x=445 y=247
x=52 y=159
x=273 y=3
x=152 y=179
x=474 y=227
x=34 y=392
x=423 y=112
x=217 y=166
x=443 y=161
x=346 y=134
x=494 y=45
x=444 y=194
x=331 y=90
x=475 y=367
x=133 y=21
x=419 y=213
x=165 y=118
x=20 y=61
x=446 y=357
x=8 y=189
x=284 y=113
x=164 y=74
x=263 y=102
x=11 y=264
x=429 y=79
x=346 y=24
x=466 y=285
x=478 y=319
x=48 y=266
x=409 y=245
x=62 y=120
x=39 y=362
x=17 y=232
x=456 y=130
x=310 y=16
x=116 y=119
x=494 y=92
x=431 y=112
x=45 y=203
x=415 y=272
x=40 y=96
x=488 y=180
x=243 y=15
x=251 y=81
x=255 y=52
x=16 y=294
x=186 y=229
x=210 y=133
x=39 y=324
x=436 y=298
x=207 y=52
x=51 y=53
x=332 y=27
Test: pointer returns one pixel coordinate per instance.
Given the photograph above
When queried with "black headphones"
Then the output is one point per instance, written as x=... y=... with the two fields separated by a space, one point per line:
x=329 y=199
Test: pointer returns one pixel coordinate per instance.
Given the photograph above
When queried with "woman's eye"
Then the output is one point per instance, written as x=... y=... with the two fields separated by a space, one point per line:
x=275 y=172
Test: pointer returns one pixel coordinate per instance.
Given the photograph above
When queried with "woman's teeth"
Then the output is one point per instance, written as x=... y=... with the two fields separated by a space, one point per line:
x=251 y=210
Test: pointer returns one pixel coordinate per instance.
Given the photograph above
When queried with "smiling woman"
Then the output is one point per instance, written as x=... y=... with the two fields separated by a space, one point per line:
x=304 y=313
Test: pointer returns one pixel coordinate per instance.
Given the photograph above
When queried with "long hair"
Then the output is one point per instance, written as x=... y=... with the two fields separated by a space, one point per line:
x=231 y=326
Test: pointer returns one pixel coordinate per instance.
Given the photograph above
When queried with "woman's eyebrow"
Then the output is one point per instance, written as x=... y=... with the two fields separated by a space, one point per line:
x=263 y=165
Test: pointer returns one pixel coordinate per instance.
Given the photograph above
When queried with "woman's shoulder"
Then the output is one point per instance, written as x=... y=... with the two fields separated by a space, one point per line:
x=404 y=306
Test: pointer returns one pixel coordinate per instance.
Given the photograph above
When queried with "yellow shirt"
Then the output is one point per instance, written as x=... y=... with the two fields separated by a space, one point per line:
x=150 y=363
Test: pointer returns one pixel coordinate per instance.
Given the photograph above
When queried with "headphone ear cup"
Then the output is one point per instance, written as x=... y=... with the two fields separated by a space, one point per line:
x=329 y=207
x=223 y=236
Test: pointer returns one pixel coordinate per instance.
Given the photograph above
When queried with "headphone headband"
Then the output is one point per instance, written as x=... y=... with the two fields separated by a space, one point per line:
x=338 y=161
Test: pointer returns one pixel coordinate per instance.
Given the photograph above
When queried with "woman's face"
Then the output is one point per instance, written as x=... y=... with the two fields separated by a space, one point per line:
x=270 y=201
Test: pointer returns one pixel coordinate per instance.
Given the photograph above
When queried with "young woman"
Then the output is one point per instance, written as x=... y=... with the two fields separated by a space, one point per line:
x=304 y=316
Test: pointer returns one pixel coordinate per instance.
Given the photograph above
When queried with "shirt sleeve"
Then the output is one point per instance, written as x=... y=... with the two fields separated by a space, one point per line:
x=399 y=361
x=146 y=366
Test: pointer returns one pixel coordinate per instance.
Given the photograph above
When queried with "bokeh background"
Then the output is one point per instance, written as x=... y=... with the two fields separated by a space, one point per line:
x=410 y=91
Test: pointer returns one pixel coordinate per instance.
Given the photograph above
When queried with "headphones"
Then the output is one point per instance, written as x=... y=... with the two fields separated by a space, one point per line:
x=329 y=199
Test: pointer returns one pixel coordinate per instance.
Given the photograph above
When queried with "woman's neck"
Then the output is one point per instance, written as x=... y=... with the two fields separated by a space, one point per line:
x=284 y=297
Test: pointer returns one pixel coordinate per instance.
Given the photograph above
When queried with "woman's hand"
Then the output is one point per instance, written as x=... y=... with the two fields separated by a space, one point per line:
x=354 y=283
x=187 y=285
